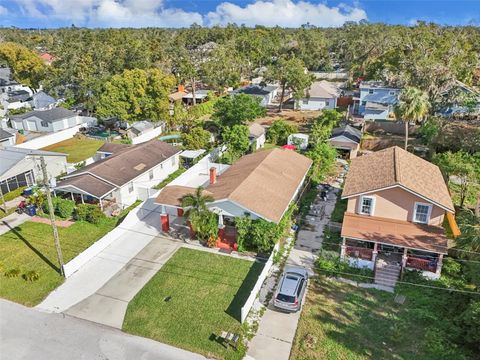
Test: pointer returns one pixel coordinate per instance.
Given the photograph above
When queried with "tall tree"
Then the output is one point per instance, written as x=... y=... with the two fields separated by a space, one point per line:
x=237 y=141
x=413 y=106
x=237 y=110
x=291 y=74
x=26 y=66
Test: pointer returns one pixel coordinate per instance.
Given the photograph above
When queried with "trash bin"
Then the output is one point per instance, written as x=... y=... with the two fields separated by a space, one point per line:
x=31 y=210
x=27 y=192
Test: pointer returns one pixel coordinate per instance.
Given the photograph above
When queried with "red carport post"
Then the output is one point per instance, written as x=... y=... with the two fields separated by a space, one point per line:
x=164 y=218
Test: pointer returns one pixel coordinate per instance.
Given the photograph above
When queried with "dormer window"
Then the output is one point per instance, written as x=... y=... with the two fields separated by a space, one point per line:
x=367 y=205
x=422 y=213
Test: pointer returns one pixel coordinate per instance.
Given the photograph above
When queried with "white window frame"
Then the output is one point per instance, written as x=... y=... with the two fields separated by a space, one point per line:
x=150 y=175
x=130 y=187
x=415 y=212
x=174 y=161
x=360 y=205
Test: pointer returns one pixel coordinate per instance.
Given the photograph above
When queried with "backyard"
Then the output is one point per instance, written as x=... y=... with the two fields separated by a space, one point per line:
x=193 y=298
x=76 y=148
x=340 y=321
x=29 y=249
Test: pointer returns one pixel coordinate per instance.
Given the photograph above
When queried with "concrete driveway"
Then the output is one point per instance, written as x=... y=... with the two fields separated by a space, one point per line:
x=108 y=304
x=11 y=221
x=27 y=333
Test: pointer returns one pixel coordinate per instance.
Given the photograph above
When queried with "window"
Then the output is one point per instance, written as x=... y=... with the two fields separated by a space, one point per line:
x=370 y=91
x=130 y=187
x=173 y=160
x=392 y=93
x=422 y=213
x=364 y=103
x=44 y=124
x=150 y=174
x=305 y=101
x=367 y=205
x=327 y=103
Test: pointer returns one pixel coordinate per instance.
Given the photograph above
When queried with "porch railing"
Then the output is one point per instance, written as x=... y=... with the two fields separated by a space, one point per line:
x=421 y=264
x=359 y=252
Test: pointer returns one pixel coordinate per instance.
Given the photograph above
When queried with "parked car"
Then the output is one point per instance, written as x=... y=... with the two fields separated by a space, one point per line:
x=291 y=288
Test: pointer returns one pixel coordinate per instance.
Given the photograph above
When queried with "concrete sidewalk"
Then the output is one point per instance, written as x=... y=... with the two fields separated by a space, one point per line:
x=276 y=330
x=108 y=304
x=92 y=276
x=11 y=221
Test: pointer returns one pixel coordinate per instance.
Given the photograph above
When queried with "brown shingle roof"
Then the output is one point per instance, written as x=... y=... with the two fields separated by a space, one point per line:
x=112 y=147
x=256 y=130
x=125 y=165
x=324 y=89
x=263 y=183
x=395 y=232
x=89 y=184
x=395 y=166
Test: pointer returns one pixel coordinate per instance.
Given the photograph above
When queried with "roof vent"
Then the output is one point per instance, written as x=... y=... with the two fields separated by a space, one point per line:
x=140 y=167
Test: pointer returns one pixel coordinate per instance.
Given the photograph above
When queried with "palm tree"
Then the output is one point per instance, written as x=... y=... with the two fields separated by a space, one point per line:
x=202 y=221
x=196 y=203
x=413 y=105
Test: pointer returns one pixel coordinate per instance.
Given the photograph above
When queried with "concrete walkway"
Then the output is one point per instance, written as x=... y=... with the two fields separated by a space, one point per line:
x=26 y=334
x=11 y=221
x=108 y=304
x=92 y=276
x=276 y=330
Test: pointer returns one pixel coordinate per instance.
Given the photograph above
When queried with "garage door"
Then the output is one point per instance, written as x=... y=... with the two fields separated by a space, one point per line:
x=32 y=125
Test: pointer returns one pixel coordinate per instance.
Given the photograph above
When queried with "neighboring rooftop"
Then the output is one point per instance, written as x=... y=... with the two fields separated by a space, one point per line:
x=41 y=100
x=4 y=134
x=397 y=167
x=12 y=155
x=324 y=89
x=256 y=130
x=375 y=85
x=349 y=132
x=111 y=148
x=380 y=98
x=18 y=95
x=255 y=90
x=140 y=126
x=50 y=116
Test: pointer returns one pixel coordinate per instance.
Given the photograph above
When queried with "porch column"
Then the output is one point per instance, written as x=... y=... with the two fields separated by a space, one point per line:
x=164 y=219
x=71 y=195
x=343 y=249
x=81 y=197
x=439 y=265
x=101 y=204
x=221 y=227
x=404 y=258
x=375 y=252
x=54 y=193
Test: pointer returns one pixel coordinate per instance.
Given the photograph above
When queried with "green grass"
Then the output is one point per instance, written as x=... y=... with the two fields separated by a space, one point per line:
x=340 y=321
x=268 y=146
x=207 y=292
x=339 y=210
x=14 y=194
x=77 y=149
x=30 y=247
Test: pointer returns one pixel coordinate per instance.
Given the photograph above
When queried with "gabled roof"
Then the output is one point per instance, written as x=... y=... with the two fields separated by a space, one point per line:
x=255 y=130
x=141 y=126
x=10 y=156
x=396 y=167
x=324 y=89
x=112 y=148
x=42 y=100
x=349 y=132
x=18 y=95
x=50 y=116
x=381 y=98
x=255 y=90
x=128 y=163
x=5 y=134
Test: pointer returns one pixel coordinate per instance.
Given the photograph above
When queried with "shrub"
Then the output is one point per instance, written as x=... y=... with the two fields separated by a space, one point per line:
x=45 y=208
x=64 y=208
x=81 y=212
x=31 y=275
x=12 y=273
x=329 y=263
x=95 y=215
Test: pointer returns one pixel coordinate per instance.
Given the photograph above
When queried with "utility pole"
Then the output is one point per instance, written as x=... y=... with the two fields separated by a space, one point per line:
x=3 y=200
x=52 y=215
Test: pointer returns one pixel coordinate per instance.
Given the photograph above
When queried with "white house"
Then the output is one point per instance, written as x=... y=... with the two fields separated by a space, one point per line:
x=21 y=167
x=321 y=95
x=7 y=138
x=300 y=140
x=376 y=101
x=266 y=94
x=42 y=101
x=51 y=120
x=124 y=176
x=256 y=134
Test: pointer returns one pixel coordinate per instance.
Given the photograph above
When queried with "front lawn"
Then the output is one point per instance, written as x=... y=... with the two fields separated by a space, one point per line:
x=77 y=149
x=340 y=321
x=193 y=298
x=30 y=247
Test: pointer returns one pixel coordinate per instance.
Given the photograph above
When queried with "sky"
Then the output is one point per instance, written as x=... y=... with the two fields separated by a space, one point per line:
x=183 y=13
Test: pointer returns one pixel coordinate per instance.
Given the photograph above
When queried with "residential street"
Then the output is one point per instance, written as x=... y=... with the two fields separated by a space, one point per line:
x=27 y=333
x=276 y=330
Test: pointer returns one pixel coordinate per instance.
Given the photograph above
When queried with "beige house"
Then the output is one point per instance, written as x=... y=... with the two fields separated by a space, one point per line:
x=396 y=206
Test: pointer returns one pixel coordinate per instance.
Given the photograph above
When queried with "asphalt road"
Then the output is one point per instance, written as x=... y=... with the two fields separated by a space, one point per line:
x=27 y=333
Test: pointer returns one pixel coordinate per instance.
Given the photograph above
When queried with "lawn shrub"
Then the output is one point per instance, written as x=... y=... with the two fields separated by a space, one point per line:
x=64 y=208
x=331 y=239
x=329 y=263
x=88 y=212
x=31 y=275
x=95 y=215
x=14 y=194
x=45 y=207
x=81 y=212
x=12 y=273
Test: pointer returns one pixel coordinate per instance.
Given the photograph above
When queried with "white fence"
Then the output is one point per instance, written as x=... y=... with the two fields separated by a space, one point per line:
x=131 y=220
x=147 y=136
x=258 y=285
x=56 y=137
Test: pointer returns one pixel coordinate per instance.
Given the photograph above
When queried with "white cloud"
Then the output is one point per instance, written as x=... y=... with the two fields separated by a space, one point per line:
x=285 y=13
x=3 y=10
x=140 y=13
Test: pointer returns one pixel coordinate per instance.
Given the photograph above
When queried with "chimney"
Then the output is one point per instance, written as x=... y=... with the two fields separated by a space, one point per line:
x=181 y=88
x=213 y=175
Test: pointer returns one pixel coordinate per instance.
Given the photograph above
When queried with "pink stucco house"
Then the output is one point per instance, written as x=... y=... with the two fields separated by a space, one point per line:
x=397 y=203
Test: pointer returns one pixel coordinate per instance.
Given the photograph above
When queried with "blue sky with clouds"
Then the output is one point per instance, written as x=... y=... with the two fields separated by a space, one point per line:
x=178 y=13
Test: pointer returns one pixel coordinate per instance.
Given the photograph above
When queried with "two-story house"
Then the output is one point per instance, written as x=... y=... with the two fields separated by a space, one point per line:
x=397 y=203
x=376 y=101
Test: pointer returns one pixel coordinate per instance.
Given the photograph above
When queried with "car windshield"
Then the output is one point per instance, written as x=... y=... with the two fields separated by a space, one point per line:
x=286 y=298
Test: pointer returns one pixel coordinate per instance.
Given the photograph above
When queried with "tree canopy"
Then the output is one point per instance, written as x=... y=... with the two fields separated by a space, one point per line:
x=237 y=110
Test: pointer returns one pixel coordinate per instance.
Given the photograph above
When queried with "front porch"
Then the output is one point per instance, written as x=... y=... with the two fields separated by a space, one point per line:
x=367 y=254
x=107 y=203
